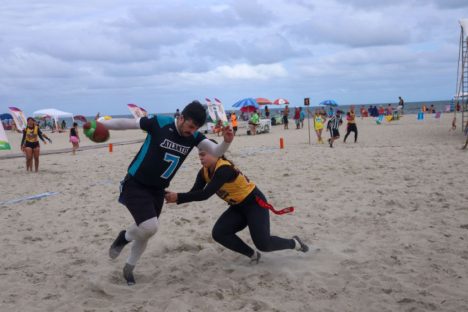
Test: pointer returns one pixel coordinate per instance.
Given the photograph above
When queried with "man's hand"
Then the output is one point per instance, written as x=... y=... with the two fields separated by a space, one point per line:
x=170 y=197
x=228 y=134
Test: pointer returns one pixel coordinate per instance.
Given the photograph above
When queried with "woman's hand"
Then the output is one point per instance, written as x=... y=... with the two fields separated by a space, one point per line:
x=170 y=197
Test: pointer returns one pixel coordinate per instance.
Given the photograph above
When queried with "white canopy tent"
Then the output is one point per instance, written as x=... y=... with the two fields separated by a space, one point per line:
x=53 y=113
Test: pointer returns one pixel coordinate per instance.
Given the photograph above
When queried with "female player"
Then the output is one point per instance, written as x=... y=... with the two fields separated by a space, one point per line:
x=248 y=207
x=30 y=143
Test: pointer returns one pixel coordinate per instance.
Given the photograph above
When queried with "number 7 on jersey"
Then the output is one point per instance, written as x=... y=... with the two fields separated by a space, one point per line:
x=174 y=161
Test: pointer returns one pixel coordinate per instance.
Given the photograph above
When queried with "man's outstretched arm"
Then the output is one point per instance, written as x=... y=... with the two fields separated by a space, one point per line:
x=122 y=123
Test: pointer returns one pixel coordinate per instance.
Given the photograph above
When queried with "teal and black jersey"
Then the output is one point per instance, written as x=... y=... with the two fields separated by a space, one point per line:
x=162 y=153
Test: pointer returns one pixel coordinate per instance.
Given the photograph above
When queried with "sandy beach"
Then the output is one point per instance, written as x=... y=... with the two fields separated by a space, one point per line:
x=389 y=214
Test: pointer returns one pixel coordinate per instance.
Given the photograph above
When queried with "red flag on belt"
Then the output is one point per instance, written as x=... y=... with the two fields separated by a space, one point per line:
x=266 y=205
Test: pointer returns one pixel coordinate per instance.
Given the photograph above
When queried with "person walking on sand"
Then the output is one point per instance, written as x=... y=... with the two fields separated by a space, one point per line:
x=333 y=124
x=74 y=137
x=30 y=144
x=267 y=112
x=248 y=207
x=166 y=146
x=351 y=125
x=301 y=116
x=401 y=105
x=319 y=121
x=254 y=122
x=297 y=117
x=286 y=117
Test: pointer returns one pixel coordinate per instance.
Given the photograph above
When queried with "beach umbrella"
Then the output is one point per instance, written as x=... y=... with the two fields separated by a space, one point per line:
x=6 y=116
x=280 y=101
x=329 y=103
x=80 y=118
x=246 y=105
x=263 y=101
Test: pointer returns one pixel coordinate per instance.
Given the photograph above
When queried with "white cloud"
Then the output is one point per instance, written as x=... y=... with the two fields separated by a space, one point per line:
x=223 y=74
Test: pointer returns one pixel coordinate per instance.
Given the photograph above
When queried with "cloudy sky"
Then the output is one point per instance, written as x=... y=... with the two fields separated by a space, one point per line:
x=85 y=58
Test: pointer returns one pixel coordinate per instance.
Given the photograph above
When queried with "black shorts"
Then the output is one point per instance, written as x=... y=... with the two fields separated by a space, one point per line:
x=285 y=120
x=234 y=129
x=142 y=201
x=334 y=133
x=32 y=145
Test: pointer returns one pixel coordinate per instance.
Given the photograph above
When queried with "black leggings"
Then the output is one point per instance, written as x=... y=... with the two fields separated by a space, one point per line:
x=248 y=213
x=351 y=128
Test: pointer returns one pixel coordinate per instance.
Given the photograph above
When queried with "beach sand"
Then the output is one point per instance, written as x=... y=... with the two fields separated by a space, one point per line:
x=389 y=215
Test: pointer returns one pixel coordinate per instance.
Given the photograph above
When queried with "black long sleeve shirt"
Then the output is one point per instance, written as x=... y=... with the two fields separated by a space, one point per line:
x=202 y=190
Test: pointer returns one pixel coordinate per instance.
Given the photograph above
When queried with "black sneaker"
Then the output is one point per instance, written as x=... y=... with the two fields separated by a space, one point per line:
x=117 y=246
x=304 y=247
x=128 y=274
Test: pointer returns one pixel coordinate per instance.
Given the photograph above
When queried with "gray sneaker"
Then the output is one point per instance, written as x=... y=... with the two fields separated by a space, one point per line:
x=128 y=274
x=304 y=247
x=118 y=244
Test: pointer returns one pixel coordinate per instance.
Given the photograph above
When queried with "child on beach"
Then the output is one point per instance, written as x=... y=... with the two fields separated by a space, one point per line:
x=74 y=137
x=248 y=207
x=333 y=124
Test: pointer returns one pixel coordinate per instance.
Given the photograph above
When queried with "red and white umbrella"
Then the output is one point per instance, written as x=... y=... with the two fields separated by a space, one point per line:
x=263 y=101
x=80 y=118
x=281 y=101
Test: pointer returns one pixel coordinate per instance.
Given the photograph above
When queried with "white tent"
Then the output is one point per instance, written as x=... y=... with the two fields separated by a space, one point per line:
x=53 y=113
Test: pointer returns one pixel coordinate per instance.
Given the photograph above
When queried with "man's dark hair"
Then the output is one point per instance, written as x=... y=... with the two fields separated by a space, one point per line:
x=195 y=112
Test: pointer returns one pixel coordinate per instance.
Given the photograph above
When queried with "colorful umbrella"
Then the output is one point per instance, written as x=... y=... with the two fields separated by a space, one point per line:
x=281 y=101
x=263 y=101
x=247 y=105
x=80 y=118
x=329 y=103
x=5 y=116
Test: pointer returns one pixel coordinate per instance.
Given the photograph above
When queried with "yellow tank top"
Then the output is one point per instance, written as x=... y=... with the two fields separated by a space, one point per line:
x=32 y=134
x=318 y=122
x=233 y=192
